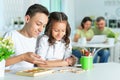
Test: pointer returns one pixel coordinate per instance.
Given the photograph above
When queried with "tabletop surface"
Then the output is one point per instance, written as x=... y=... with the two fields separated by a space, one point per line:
x=103 y=45
x=101 y=71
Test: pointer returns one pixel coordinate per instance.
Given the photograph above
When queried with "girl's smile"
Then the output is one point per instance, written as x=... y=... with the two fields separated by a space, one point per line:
x=59 y=30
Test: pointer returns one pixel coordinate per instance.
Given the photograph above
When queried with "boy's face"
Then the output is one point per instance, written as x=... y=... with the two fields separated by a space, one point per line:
x=101 y=24
x=59 y=30
x=36 y=24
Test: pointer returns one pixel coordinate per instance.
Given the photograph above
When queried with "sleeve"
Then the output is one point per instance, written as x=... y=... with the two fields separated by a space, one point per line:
x=68 y=51
x=7 y=34
x=42 y=46
x=111 y=34
x=78 y=32
x=91 y=33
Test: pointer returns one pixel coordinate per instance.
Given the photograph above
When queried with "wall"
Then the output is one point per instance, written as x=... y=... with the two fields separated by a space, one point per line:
x=1 y=18
x=15 y=8
x=1 y=15
x=75 y=9
x=68 y=6
x=46 y=3
x=11 y=10
x=110 y=9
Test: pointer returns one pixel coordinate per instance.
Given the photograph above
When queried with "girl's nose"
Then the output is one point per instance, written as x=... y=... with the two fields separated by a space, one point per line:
x=60 y=33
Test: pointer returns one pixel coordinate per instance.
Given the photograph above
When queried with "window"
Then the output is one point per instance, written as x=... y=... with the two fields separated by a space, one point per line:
x=55 y=5
x=51 y=5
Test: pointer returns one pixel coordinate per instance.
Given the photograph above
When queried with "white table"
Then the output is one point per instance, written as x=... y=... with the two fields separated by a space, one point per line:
x=103 y=45
x=101 y=71
x=98 y=46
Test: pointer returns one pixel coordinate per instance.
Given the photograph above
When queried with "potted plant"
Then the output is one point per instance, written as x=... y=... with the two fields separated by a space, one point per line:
x=111 y=38
x=111 y=35
x=6 y=49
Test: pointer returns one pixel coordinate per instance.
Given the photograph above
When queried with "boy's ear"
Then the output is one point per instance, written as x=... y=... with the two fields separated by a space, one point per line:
x=27 y=18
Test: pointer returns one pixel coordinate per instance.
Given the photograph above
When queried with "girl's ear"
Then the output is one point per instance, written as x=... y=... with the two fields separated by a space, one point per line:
x=27 y=18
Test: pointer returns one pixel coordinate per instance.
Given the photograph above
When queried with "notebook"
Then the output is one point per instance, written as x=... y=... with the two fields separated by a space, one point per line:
x=97 y=39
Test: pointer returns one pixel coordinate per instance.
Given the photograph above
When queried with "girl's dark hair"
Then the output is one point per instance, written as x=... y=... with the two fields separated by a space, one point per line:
x=85 y=19
x=35 y=8
x=57 y=17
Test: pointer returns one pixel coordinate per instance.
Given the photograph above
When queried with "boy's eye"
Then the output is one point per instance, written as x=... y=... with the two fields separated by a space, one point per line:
x=44 y=26
x=39 y=24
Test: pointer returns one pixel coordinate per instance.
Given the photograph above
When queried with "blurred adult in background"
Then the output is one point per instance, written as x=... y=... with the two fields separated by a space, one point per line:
x=101 y=29
x=84 y=31
x=24 y=40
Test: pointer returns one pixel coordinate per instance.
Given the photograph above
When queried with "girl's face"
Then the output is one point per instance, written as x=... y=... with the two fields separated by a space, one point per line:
x=58 y=30
x=87 y=25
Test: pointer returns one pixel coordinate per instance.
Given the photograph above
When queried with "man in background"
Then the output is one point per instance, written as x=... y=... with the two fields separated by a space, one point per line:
x=101 y=29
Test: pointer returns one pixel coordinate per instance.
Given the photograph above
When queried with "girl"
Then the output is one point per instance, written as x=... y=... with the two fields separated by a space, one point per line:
x=54 y=46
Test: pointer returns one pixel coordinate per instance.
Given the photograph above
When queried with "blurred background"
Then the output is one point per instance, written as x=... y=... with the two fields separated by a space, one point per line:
x=13 y=11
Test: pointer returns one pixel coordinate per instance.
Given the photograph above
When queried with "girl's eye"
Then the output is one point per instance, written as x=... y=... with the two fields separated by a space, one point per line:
x=56 y=30
x=63 y=30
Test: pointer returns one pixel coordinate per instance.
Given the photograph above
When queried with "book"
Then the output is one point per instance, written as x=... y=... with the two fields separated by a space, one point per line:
x=34 y=72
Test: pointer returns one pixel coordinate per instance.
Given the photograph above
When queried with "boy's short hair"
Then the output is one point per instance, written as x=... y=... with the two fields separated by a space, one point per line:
x=36 y=8
x=99 y=19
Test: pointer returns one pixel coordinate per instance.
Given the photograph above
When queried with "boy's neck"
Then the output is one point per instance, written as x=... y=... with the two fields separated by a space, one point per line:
x=24 y=32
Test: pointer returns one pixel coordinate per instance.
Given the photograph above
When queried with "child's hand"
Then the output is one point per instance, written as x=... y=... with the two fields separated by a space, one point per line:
x=32 y=58
x=71 y=60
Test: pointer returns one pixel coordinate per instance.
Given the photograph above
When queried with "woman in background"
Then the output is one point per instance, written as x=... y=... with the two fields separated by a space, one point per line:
x=84 y=31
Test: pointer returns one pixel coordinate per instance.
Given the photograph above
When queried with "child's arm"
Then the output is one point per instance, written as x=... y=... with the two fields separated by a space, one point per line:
x=54 y=63
x=42 y=46
x=71 y=60
x=76 y=36
x=59 y=63
x=29 y=57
